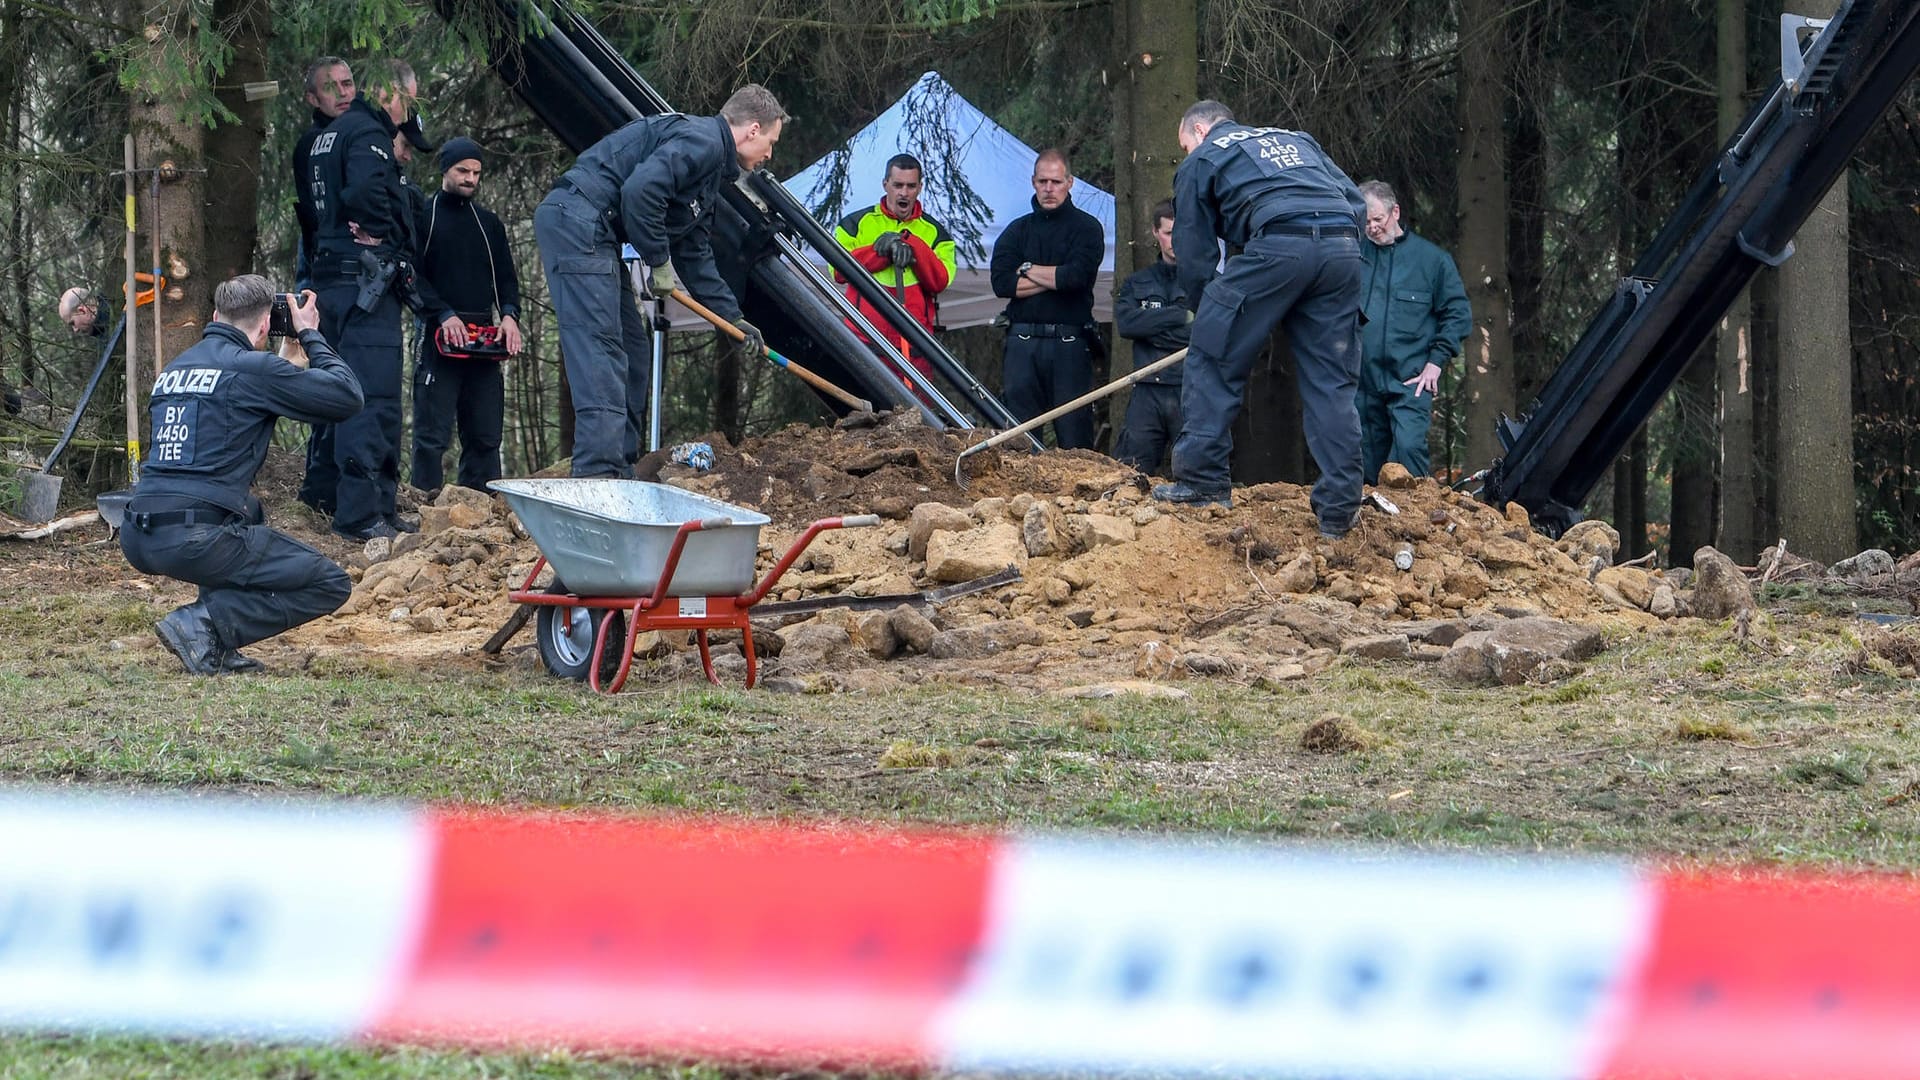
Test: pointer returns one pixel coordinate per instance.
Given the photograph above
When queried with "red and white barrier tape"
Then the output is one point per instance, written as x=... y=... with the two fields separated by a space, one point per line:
x=937 y=948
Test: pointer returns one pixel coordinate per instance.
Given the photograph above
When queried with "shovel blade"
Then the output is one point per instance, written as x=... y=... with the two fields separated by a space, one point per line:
x=39 y=497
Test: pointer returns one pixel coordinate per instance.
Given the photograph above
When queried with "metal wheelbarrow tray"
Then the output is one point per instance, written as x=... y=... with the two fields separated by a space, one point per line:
x=607 y=537
x=630 y=556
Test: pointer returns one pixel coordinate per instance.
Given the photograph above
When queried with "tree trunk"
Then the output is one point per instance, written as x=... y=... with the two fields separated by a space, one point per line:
x=1816 y=388
x=1489 y=378
x=1816 y=382
x=727 y=416
x=1527 y=202
x=1630 y=497
x=1690 y=514
x=1739 y=536
x=1154 y=78
x=167 y=139
x=233 y=149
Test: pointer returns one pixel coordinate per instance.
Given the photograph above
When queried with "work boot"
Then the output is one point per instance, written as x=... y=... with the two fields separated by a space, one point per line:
x=401 y=524
x=1187 y=495
x=187 y=632
x=1335 y=532
x=378 y=528
x=235 y=662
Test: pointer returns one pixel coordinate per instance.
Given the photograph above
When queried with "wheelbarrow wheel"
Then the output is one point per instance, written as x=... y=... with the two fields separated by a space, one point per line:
x=565 y=637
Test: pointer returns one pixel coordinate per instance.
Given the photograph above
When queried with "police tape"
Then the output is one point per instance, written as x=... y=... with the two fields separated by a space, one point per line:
x=936 y=948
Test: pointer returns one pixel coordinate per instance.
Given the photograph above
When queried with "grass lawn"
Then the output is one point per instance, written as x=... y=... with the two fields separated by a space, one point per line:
x=1677 y=743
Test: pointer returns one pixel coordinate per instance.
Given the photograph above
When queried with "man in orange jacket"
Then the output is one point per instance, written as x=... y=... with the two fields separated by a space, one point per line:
x=906 y=251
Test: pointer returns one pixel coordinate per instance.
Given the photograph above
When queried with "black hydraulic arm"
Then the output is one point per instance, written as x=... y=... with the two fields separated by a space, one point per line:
x=1739 y=216
x=583 y=89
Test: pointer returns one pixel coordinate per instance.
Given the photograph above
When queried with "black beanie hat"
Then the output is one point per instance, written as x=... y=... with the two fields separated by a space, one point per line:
x=458 y=149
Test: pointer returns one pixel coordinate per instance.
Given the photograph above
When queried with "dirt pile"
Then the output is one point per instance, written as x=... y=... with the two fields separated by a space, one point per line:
x=1113 y=585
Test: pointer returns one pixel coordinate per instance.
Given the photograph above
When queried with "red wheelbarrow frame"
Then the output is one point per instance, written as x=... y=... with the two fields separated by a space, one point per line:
x=701 y=614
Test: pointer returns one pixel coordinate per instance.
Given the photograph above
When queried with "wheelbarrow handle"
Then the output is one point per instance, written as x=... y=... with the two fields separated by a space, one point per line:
x=713 y=523
x=859 y=521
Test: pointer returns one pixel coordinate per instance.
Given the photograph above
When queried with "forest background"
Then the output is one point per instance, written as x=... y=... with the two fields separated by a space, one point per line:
x=1541 y=142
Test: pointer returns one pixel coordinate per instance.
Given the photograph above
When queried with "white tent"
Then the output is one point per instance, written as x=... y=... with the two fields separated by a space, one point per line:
x=934 y=123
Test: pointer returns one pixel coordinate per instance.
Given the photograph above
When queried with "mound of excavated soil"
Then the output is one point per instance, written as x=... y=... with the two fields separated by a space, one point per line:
x=1113 y=584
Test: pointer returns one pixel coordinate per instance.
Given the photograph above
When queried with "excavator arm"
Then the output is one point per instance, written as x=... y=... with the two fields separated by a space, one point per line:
x=1838 y=78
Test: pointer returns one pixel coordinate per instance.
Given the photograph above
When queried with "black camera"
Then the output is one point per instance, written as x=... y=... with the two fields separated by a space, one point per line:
x=280 y=318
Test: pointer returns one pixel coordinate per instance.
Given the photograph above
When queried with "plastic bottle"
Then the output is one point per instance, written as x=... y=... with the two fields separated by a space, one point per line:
x=1403 y=556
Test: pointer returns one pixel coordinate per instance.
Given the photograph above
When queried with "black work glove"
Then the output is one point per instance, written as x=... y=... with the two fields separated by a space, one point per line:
x=754 y=344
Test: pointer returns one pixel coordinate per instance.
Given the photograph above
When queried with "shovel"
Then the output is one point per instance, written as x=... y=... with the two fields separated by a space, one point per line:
x=1087 y=398
x=40 y=489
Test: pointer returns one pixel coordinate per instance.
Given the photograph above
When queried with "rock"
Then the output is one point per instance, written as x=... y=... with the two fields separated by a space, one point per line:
x=977 y=552
x=1612 y=596
x=1679 y=577
x=1720 y=590
x=1056 y=590
x=407 y=542
x=1466 y=582
x=1869 y=562
x=1085 y=532
x=380 y=547
x=1300 y=576
x=1395 y=475
x=1018 y=506
x=1208 y=664
x=929 y=518
x=1427 y=654
x=1376 y=647
x=897 y=543
x=1504 y=552
x=1517 y=515
x=988 y=511
x=464 y=516
x=1432 y=632
x=1336 y=735
x=1590 y=538
x=431 y=621
x=1077 y=573
x=435 y=519
x=1040 y=529
x=812 y=644
x=1288 y=671
x=1513 y=651
x=1663 y=602
x=914 y=630
x=1124 y=687
x=1314 y=629
x=1155 y=660
x=877 y=635
x=1629 y=581
x=1080 y=617
x=977 y=642
x=455 y=495
x=1146 y=515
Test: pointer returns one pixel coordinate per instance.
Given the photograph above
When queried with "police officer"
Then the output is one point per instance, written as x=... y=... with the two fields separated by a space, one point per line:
x=464 y=254
x=192 y=515
x=361 y=268
x=1045 y=263
x=1151 y=310
x=652 y=184
x=1296 y=217
x=330 y=90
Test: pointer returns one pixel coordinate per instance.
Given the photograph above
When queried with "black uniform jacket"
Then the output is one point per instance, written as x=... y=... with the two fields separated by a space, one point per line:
x=214 y=407
x=1151 y=310
x=1240 y=179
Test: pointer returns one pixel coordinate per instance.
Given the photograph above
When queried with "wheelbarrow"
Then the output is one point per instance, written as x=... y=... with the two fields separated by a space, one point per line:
x=630 y=556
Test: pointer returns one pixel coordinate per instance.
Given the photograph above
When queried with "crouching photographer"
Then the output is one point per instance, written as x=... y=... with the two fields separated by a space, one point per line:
x=193 y=516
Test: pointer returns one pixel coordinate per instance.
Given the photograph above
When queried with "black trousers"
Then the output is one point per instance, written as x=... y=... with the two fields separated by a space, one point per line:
x=255 y=581
x=1042 y=373
x=355 y=464
x=447 y=391
x=1152 y=424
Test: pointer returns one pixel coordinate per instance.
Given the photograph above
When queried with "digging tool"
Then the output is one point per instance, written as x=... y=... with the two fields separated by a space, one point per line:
x=133 y=364
x=41 y=489
x=806 y=376
x=1087 y=398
